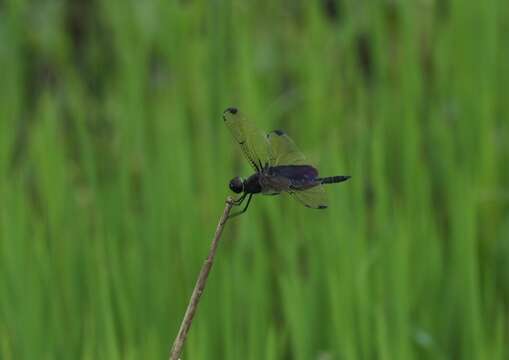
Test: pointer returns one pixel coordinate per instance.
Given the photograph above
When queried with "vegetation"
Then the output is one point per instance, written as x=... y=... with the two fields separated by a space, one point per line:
x=114 y=166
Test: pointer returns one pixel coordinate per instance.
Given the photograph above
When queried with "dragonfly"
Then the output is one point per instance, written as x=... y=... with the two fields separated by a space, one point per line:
x=280 y=167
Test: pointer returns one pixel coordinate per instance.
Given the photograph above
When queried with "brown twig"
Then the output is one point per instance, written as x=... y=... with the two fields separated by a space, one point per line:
x=178 y=344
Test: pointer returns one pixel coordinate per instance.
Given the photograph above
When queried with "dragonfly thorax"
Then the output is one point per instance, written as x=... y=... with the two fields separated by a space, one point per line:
x=252 y=184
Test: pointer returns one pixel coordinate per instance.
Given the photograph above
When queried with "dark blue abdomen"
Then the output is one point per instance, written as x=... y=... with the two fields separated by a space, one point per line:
x=299 y=175
x=297 y=172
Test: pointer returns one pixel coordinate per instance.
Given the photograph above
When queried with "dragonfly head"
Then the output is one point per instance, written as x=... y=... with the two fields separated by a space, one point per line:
x=237 y=185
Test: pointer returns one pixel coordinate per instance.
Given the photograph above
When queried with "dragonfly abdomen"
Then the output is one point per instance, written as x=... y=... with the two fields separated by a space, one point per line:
x=332 y=179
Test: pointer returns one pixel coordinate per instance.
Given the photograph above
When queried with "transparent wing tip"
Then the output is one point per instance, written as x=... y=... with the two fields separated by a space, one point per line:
x=278 y=132
x=321 y=206
x=231 y=110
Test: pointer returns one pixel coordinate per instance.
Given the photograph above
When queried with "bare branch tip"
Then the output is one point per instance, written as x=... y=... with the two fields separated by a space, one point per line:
x=199 y=287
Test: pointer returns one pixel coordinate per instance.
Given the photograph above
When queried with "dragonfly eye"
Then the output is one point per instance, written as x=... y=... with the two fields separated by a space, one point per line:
x=237 y=185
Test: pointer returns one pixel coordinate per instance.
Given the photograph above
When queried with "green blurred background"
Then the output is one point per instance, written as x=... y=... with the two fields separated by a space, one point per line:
x=114 y=165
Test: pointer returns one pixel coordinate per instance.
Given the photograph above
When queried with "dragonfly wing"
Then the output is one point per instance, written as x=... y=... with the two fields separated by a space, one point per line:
x=253 y=142
x=315 y=197
x=283 y=150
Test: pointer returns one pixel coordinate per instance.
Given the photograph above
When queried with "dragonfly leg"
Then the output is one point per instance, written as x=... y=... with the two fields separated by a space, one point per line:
x=243 y=210
x=240 y=200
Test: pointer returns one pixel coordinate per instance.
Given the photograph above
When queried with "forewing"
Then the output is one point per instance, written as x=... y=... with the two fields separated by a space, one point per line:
x=314 y=198
x=253 y=142
x=283 y=150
